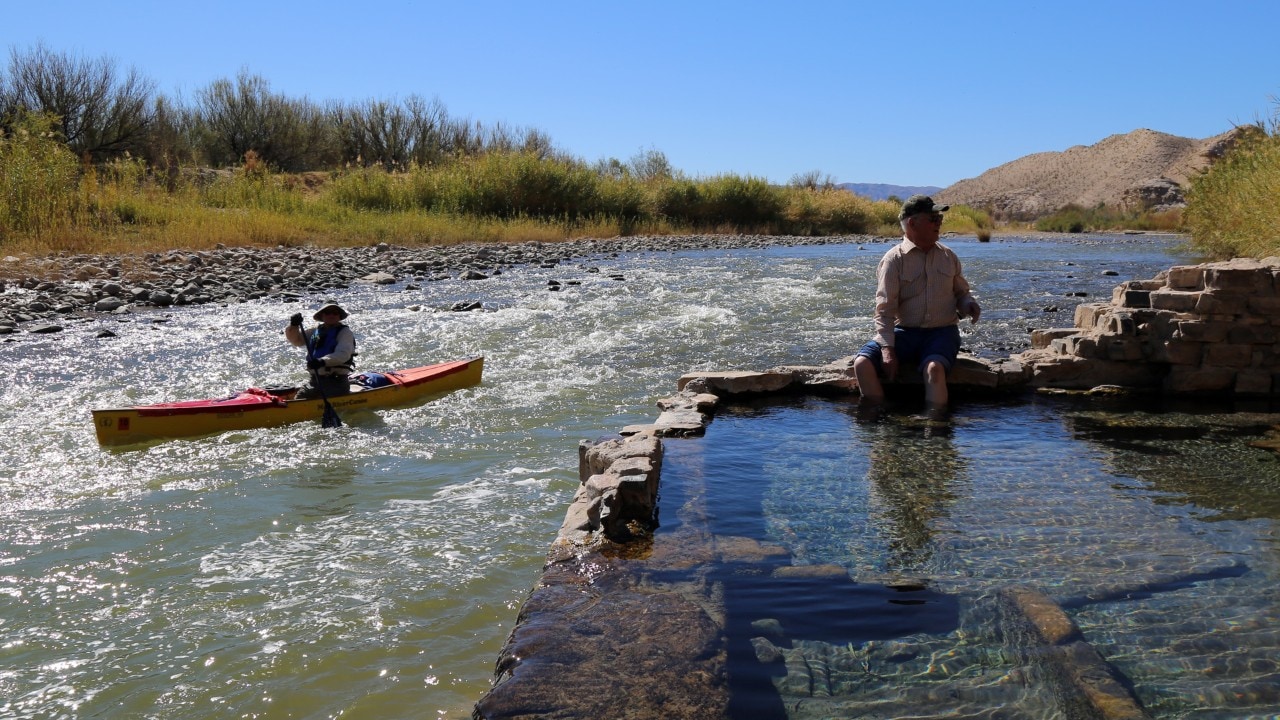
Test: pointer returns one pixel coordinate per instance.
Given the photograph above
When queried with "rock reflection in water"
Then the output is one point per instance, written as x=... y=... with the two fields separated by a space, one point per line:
x=1218 y=459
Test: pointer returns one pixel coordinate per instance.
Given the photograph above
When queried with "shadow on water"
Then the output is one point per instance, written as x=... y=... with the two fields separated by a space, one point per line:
x=1145 y=592
x=784 y=611
x=912 y=473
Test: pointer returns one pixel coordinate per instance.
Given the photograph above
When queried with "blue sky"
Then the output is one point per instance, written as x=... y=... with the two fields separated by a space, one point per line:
x=920 y=93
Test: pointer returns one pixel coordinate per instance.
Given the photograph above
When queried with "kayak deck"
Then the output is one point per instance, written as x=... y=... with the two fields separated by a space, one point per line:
x=273 y=407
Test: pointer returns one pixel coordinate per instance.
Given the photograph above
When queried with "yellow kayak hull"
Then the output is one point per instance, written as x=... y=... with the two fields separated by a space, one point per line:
x=133 y=425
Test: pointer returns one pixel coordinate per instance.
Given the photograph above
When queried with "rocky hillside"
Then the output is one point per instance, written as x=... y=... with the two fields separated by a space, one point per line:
x=1141 y=169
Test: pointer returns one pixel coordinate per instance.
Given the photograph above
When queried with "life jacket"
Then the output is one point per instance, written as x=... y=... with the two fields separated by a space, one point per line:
x=324 y=341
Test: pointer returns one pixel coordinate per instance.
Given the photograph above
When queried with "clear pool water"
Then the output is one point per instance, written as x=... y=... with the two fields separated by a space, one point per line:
x=1153 y=527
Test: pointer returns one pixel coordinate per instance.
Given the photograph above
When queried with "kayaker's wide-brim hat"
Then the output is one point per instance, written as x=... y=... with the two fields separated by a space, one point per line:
x=342 y=314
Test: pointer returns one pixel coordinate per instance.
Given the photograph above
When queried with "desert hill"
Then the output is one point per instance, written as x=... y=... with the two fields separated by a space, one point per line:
x=1140 y=170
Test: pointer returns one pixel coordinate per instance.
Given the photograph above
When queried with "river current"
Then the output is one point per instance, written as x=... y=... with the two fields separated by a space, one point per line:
x=375 y=570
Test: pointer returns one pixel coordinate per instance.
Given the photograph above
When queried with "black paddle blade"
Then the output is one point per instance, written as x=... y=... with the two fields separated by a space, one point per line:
x=330 y=418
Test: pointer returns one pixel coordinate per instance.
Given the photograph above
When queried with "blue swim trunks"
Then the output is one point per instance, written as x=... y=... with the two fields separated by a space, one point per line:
x=917 y=345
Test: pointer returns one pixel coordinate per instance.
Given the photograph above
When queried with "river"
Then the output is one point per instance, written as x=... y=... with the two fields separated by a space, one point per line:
x=374 y=570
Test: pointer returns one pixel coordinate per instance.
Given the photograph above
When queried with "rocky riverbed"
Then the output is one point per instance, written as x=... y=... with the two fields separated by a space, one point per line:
x=37 y=293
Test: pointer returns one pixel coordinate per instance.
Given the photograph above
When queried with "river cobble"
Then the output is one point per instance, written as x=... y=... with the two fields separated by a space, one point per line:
x=36 y=293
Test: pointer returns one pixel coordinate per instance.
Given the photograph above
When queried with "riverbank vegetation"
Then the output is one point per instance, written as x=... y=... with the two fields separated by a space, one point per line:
x=1233 y=209
x=1103 y=218
x=55 y=201
x=92 y=159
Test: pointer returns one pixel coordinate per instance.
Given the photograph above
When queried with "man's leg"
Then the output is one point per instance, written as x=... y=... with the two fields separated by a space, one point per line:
x=941 y=347
x=867 y=374
x=935 y=385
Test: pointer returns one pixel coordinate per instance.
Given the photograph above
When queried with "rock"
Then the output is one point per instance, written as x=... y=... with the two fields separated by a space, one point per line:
x=379 y=278
x=737 y=382
x=766 y=651
x=84 y=272
x=108 y=304
x=1158 y=194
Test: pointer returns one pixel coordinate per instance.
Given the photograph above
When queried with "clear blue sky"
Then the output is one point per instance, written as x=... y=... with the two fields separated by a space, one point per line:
x=920 y=93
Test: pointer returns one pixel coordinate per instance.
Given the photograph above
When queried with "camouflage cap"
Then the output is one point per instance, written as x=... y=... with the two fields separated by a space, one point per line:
x=917 y=204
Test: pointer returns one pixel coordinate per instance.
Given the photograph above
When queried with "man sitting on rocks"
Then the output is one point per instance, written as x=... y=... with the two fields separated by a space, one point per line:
x=331 y=351
x=920 y=295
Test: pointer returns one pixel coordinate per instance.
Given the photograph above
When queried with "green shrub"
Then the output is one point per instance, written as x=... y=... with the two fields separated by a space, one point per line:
x=1233 y=209
x=518 y=184
x=366 y=189
x=743 y=203
x=1076 y=219
x=38 y=179
x=965 y=219
x=828 y=211
x=677 y=200
x=624 y=198
x=1070 y=219
x=253 y=187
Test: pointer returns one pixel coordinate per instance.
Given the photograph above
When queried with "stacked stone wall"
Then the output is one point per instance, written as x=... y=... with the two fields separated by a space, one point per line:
x=1200 y=329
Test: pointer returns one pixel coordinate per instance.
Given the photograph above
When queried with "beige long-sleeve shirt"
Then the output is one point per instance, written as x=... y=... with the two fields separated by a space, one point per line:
x=919 y=289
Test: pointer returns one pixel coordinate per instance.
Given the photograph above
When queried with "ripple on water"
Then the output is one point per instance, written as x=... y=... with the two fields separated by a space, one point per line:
x=1006 y=495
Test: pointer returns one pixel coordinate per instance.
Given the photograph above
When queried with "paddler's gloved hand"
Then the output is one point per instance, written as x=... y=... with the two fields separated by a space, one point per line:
x=296 y=320
x=315 y=364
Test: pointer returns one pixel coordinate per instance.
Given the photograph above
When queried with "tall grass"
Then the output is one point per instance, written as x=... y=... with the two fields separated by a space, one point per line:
x=53 y=202
x=964 y=219
x=830 y=211
x=38 y=181
x=1233 y=209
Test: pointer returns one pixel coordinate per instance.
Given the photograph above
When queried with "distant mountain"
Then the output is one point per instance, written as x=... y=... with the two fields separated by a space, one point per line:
x=880 y=191
x=1143 y=169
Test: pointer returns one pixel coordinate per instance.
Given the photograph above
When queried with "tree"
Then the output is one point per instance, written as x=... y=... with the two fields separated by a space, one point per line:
x=98 y=111
x=650 y=165
x=812 y=180
x=236 y=117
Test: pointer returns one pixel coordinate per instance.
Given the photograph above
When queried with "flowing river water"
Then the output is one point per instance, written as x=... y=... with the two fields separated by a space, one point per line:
x=374 y=570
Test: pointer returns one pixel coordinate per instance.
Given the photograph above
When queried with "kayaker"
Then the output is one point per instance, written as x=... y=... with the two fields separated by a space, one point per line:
x=331 y=351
